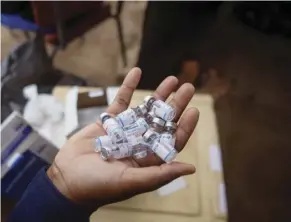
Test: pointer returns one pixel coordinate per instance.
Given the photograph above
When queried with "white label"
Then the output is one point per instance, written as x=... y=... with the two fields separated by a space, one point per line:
x=127 y=117
x=160 y=150
x=215 y=158
x=113 y=130
x=163 y=110
x=168 y=138
x=133 y=139
x=125 y=150
x=172 y=187
x=222 y=199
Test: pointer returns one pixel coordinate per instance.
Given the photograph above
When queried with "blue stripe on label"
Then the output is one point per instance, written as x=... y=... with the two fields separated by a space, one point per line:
x=15 y=143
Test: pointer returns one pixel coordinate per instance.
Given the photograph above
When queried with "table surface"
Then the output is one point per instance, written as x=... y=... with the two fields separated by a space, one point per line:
x=198 y=201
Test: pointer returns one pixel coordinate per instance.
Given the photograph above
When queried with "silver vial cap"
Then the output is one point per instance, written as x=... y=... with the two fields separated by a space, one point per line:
x=149 y=135
x=147 y=100
x=159 y=121
x=171 y=125
x=105 y=153
x=143 y=109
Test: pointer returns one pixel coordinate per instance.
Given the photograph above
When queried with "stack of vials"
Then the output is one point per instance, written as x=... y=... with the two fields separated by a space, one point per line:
x=139 y=131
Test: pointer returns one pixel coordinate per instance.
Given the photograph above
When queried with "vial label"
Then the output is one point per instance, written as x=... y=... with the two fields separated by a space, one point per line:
x=126 y=118
x=168 y=139
x=103 y=141
x=164 y=151
x=163 y=110
x=114 y=130
x=137 y=128
x=124 y=150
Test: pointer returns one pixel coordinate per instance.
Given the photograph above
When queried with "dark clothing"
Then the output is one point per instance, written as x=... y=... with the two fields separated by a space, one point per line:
x=43 y=202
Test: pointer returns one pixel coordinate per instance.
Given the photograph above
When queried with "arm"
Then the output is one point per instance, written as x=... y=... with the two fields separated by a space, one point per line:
x=79 y=181
x=42 y=201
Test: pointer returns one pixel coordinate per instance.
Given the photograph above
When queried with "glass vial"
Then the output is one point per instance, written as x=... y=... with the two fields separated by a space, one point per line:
x=118 y=152
x=129 y=116
x=158 y=124
x=113 y=129
x=160 y=108
x=165 y=151
x=102 y=141
x=168 y=136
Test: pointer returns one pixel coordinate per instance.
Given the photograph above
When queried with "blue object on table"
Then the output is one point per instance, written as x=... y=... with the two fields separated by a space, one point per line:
x=15 y=21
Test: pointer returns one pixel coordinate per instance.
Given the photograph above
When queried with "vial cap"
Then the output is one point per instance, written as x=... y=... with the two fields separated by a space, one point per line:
x=103 y=115
x=159 y=121
x=147 y=99
x=171 y=125
x=143 y=109
x=105 y=153
x=149 y=135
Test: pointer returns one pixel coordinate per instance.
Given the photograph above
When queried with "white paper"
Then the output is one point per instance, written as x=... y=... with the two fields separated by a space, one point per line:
x=215 y=160
x=96 y=93
x=222 y=199
x=172 y=187
x=71 y=110
x=111 y=92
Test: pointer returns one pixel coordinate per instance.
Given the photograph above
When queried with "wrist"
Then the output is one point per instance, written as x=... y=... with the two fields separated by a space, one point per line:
x=57 y=179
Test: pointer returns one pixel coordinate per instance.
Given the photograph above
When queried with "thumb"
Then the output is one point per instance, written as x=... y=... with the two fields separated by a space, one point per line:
x=151 y=178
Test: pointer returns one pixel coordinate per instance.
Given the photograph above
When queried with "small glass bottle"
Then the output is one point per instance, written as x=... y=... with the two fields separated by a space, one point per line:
x=129 y=116
x=165 y=151
x=168 y=136
x=103 y=141
x=137 y=128
x=149 y=117
x=120 y=151
x=158 y=124
x=160 y=108
x=113 y=129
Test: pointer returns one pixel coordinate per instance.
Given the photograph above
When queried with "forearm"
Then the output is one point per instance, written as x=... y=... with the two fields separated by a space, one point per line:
x=43 y=202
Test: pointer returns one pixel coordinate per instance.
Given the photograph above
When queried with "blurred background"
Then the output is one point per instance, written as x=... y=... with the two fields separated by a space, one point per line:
x=238 y=53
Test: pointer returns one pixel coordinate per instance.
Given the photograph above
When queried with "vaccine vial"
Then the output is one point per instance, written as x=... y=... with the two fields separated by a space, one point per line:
x=165 y=151
x=123 y=150
x=102 y=141
x=113 y=129
x=160 y=108
x=137 y=128
x=168 y=136
x=129 y=116
x=158 y=124
x=149 y=117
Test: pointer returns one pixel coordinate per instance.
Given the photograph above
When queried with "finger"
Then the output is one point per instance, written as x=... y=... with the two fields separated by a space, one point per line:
x=186 y=127
x=123 y=97
x=166 y=87
x=181 y=99
x=151 y=178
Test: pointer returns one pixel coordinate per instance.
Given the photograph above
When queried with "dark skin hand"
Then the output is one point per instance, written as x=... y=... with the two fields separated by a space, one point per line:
x=83 y=177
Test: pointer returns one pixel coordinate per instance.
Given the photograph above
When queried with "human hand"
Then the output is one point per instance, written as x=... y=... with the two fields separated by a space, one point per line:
x=83 y=177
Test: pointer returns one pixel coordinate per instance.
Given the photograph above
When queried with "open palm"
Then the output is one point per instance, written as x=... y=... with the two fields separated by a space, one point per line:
x=82 y=176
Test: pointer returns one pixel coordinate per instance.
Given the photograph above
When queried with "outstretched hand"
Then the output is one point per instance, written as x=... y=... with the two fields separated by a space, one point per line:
x=83 y=177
